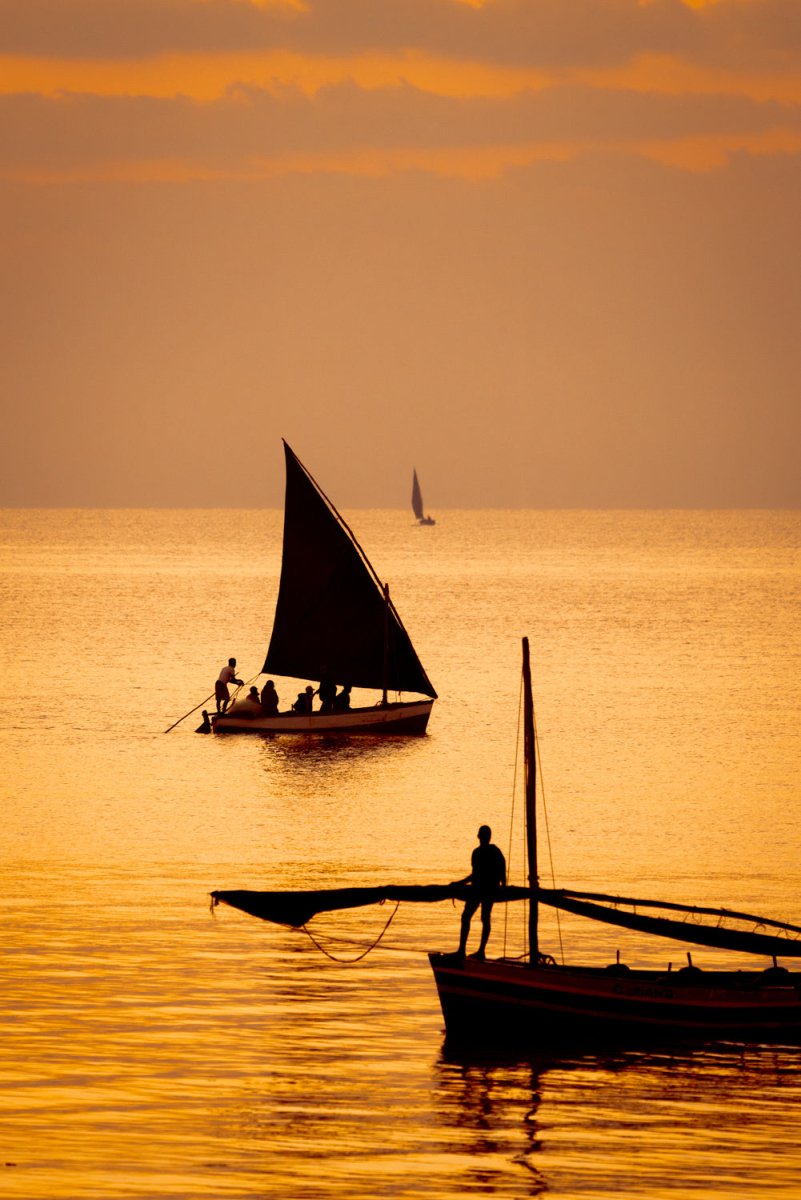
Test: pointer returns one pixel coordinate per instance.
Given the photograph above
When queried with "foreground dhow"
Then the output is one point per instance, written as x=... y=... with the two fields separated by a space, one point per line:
x=335 y=622
x=537 y=1000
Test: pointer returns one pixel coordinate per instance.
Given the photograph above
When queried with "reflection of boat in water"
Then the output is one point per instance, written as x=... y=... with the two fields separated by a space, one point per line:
x=536 y=1000
x=417 y=503
x=571 y=1115
x=335 y=621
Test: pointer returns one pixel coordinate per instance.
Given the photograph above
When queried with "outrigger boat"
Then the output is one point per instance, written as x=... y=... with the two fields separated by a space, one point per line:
x=335 y=621
x=536 y=1000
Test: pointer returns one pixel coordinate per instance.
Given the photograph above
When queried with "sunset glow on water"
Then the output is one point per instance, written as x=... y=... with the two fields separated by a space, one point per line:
x=543 y=258
x=152 y=1049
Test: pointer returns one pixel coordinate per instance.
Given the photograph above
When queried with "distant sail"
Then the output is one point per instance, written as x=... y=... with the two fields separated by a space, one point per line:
x=417 y=497
x=331 y=616
x=417 y=502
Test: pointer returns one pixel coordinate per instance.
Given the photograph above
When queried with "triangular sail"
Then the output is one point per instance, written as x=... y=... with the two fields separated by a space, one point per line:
x=417 y=497
x=331 y=617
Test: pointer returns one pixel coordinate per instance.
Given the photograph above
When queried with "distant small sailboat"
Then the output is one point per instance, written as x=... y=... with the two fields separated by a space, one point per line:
x=417 y=502
x=334 y=621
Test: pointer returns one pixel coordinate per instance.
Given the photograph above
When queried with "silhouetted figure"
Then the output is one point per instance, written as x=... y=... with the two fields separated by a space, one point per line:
x=486 y=879
x=227 y=676
x=305 y=701
x=206 y=726
x=342 y=699
x=269 y=699
x=327 y=692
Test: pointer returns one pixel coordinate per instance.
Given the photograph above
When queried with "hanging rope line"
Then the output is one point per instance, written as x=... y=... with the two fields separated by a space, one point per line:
x=344 y=941
x=532 y=880
x=359 y=957
x=547 y=832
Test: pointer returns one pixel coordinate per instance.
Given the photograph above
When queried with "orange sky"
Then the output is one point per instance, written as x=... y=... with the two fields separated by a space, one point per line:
x=512 y=215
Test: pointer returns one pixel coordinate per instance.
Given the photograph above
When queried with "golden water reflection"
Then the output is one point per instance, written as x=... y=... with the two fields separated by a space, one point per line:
x=656 y=1124
x=153 y=1051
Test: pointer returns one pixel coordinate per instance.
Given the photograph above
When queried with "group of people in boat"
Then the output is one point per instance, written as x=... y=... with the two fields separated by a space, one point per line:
x=256 y=703
x=330 y=699
x=265 y=703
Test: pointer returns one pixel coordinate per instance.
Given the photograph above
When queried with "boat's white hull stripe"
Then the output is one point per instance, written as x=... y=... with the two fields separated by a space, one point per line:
x=317 y=722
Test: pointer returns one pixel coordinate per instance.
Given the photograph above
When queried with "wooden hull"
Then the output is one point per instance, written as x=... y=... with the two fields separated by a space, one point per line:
x=407 y=717
x=503 y=1000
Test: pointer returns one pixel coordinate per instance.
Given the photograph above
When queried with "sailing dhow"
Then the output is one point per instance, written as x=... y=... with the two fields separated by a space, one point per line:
x=335 y=624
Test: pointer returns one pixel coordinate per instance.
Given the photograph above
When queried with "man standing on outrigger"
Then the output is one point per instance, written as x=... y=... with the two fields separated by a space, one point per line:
x=486 y=879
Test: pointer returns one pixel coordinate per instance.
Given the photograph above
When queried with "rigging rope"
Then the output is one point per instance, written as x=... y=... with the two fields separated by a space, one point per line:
x=531 y=881
x=512 y=815
x=247 y=683
x=547 y=830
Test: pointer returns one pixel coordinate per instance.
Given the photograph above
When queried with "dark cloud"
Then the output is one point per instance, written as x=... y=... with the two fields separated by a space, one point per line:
x=133 y=28
x=759 y=34
x=76 y=131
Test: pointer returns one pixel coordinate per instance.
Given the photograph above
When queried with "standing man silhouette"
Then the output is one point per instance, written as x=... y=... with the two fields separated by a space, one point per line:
x=486 y=879
x=227 y=675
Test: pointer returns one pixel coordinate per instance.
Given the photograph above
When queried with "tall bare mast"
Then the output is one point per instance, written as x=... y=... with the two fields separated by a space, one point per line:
x=531 y=805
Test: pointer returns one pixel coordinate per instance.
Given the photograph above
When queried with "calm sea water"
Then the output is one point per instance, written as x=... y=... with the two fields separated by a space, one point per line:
x=152 y=1049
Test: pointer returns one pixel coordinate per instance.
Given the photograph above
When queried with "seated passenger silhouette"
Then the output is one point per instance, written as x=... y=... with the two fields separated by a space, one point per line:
x=327 y=692
x=342 y=699
x=305 y=701
x=269 y=699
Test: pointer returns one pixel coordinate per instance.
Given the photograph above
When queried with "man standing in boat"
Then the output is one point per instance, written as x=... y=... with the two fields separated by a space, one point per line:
x=486 y=879
x=227 y=675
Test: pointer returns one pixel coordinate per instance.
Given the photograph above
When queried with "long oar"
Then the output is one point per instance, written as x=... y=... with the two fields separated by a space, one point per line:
x=202 y=702
x=189 y=714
